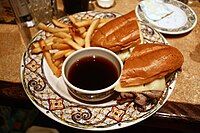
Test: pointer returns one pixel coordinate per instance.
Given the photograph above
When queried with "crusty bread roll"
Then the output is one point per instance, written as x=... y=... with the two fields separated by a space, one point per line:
x=149 y=62
x=118 y=34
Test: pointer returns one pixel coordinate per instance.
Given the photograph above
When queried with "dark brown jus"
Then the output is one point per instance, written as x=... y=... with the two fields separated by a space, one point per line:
x=92 y=73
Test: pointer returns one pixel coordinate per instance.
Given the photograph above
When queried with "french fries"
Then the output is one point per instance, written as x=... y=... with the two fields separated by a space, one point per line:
x=47 y=55
x=36 y=44
x=72 y=19
x=105 y=20
x=42 y=26
x=58 y=46
x=49 y=40
x=72 y=43
x=82 y=30
x=58 y=40
x=59 y=24
x=83 y=23
x=68 y=53
x=36 y=50
x=65 y=38
x=84 y=34
x=100 y=25
x=58 y=62
x=79 y=40
x=60 y=54
x=62 y=35
x=91 y=29
x=61 y=46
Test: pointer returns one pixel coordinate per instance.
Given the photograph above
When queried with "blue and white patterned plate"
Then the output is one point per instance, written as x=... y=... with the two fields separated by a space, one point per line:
x=49 y=93
x=182 y=20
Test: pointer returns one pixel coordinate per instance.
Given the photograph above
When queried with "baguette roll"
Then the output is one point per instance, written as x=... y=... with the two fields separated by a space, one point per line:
x=118 y=34
x=149 y=62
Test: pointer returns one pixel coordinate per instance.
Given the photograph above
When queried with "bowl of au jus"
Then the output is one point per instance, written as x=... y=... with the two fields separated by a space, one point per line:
x=92 y=73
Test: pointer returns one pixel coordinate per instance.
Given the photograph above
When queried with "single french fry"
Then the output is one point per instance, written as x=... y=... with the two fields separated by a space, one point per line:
x=42 y=44
x=49 y=39
x=59 y=61
x=72 y=19
x=82 y=30
x=58 y=46
x=74 y=32
x=36 y=44
x=58 y=40
x=61 y=46
x=105 y=20
x=48 y=58
x=91 y=29
x=100 y=25
x=60 y=54
x=52 y=30
x=50 y=43
x=62 y=35
x=84 y=34
x=67 y=54
x=79 y=40
x=83 y=23
x=60 y=66
x=48 y=47
x=55 y=70
x=60 y=30
x=72 y=43
x=36 y=50
x=59 y=24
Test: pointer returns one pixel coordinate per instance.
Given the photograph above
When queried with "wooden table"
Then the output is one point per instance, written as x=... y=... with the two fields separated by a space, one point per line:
x=184 y=103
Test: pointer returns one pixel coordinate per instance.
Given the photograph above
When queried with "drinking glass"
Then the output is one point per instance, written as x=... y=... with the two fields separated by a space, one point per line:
x=74 y=6
x=42 y=10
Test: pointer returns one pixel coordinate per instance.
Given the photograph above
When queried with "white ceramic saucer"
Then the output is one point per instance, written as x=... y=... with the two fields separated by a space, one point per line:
x=182 y=20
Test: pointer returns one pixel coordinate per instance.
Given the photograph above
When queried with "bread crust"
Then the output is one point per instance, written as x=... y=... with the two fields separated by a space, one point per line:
x=118 y=34
x=149 y=62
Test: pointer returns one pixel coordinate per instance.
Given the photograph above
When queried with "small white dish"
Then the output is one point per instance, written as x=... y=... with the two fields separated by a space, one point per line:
x=182 y=19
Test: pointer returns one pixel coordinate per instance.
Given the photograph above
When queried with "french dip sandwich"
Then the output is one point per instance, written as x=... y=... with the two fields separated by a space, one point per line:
x=149 y=62
x=143 y=74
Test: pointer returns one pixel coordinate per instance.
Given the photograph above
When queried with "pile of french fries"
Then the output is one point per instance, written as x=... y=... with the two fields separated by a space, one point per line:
x=65 y=38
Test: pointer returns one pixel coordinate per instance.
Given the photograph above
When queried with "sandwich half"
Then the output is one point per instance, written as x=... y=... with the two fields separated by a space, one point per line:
x=143 y=74
x=118 y=34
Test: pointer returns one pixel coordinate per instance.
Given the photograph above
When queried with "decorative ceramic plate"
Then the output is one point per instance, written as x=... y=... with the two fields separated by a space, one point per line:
x=182 y=20
x=49 y=93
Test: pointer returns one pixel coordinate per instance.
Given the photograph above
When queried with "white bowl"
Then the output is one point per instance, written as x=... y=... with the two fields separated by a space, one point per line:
x=91 y=95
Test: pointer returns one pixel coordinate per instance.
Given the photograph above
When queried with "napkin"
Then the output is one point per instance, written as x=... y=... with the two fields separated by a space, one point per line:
x=155 y=9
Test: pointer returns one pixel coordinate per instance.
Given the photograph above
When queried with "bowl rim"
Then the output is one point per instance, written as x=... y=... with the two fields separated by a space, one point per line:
x=93 y=91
